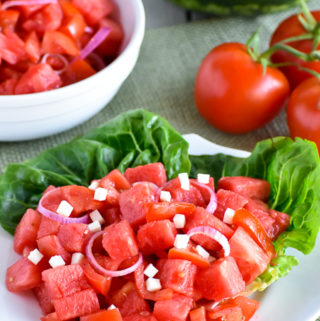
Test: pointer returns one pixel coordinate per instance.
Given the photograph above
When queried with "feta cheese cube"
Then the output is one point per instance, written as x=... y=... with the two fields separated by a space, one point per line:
x=181 y=241
x=228 y=215
x=203 y=178
x=201 y=251
x=94 y=185
x=65 y=209
x=150 y=271
x=94 y=226
x=153 y=285
x=35 y=256
x=96 y=216
x=100 y=194
x=179 y=221
x=56 y=261
x=77 y=258
x=165 y=196
x=112 y=307
x=184 y=181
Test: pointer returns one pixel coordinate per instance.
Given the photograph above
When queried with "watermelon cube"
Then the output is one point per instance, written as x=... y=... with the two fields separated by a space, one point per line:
x=42 y=294
x=48 y=227
x=116 y=179
x=142 y=316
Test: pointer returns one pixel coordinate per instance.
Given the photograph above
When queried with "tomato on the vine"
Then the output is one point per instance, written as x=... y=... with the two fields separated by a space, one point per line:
x=235 y=93
x=292 y=27
x=303 y=114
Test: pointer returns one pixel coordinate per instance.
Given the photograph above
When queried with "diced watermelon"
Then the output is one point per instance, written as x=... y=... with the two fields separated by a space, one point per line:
x=42 y=294
x=193 y=195
x=221 y=280
x=77 y=304
x=142 y=316
x=64 y=281
x=248 y=306
x=111 y=215
x=50 y=245
x=26 y=231
x=48 y=227
x=250 y=258
x=23 y=275
x=176 y=309
x=198 y=314
x=128 y=300
x=8 y=86
x=12 y=48
x=201 y=217
x=156 y=236
x=177 y=275
x=119 y=241
x=74 y=236
x=228 y=199
x=281 y=223
x=32 y=45
x=116 y=179
x=50 y=317
x=134 y=203
x=226 y=312
x=154 y=173
x=246 y=186
x=103 y=315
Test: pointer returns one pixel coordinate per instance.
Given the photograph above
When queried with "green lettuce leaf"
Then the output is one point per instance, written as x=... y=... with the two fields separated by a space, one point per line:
x=134 y=138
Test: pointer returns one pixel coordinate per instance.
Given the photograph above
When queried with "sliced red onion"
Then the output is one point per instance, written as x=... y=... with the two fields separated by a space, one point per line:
x=101 y=269
x=213 y=234
x=94 y=42
x=96 y=61
x=61 y=57
x=56 y=217
x=212 y=206
x=8 y=4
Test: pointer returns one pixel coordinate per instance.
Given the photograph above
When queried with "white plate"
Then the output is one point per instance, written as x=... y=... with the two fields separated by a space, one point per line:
x=295 y=297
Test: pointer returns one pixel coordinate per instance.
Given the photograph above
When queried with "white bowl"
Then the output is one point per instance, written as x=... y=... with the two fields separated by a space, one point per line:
x=24 y=117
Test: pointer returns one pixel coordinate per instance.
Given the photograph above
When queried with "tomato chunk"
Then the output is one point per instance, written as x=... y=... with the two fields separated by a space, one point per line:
x=59 y=43
x=198 y=314
x=248 y=306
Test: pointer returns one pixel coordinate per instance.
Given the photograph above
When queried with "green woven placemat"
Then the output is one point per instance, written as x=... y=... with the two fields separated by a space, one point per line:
x=162 y=82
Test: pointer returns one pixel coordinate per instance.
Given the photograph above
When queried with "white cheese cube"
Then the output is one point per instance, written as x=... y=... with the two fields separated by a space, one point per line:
x=203 y=178
x=94 y=185
x=94 y=226
x=65 y=209
x=184 y=181
x=96 y=216
x=100 y=194
x=228 y=215
x=56 y=261
x=181 y=241
x=153 y=285
x=150 y=271
x=77 y=258
x=35 y=256
x=179 y=221
x=165 y=196
x=112 y=307
x=201 y=251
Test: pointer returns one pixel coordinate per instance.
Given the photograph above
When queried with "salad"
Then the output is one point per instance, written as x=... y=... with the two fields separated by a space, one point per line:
x=47 y=44
x=138 y=138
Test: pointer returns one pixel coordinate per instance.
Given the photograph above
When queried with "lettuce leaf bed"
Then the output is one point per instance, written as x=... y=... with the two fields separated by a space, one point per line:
x=140 y=137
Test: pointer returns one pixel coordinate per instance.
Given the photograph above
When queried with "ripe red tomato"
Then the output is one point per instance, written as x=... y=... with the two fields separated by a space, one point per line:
x=233 y=93
x=303 y=114
x=292 y=27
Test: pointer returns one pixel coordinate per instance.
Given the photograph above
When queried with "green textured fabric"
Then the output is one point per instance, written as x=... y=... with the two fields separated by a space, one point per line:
x=162 y=82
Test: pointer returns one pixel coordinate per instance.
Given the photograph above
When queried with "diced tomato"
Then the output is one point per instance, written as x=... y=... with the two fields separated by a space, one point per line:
x=103 y=315
x=8 y=86
x=77 y=304
x=50 y=245
x=178 y=275
x=26 y=231
x=186 y=254
x=59 y=43
x=248 y=306
x=134 y=203
x=128 y=300
x=164 y=294
x=23 y=275
x=73 y=23
x=9 y=19
x=42 y=294
x=247 y=186
x=77 y=71
x=112 y=44
x=32 y=45
x=64 y=281
x=119 y=241
x=142 y=316
x=255 y=229
x=193 y=195
x=38 y=78
x=74 y=236
x=198 y=314
x=201 y=217
x=111 y=215
x=12 y=48
x=250 y=258
x=226 y=312
x=154 y=173
x=165 y=210
x=228 y=199
x=281 y=223
x=176 y=309
x=156 y=236
x=221 y=280
x=48 y=227
x=116 y=179
x=94 y=10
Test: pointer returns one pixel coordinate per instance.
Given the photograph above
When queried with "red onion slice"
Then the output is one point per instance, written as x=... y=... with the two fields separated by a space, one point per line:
x=94 y=42
x=8 y=4
x=61 y=57
x=101 y=269
x=213 y=234
x=212 y=205
x=56 y=217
